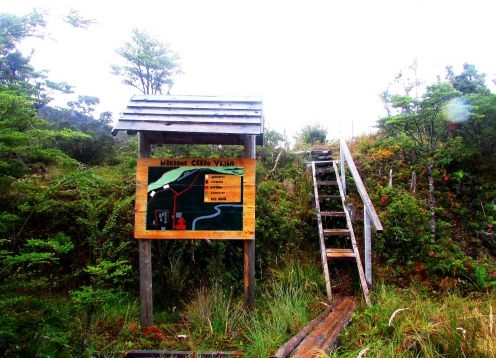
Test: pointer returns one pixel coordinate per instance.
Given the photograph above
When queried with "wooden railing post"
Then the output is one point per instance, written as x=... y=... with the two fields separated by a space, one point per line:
x=249 y=245
x=342 y=165
x=145 y=256
x=368 y=247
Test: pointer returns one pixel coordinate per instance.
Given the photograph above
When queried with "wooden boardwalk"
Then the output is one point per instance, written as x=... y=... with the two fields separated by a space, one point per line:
x=321 y=334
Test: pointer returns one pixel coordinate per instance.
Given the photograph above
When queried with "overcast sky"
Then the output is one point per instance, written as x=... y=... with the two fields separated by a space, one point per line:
x=311 y=61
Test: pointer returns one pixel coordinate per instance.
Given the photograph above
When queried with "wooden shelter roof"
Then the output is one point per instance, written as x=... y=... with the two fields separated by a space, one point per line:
x=193 y=119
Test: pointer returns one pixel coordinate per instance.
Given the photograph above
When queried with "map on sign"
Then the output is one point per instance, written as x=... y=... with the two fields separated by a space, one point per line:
x=195 y=198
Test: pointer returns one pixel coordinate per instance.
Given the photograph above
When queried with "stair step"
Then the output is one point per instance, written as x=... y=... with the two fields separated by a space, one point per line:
x=320 y=152
x=327 y=196
x=327 y=170
x=333 y=213
x=336 y=232
x=327 y=163
x=337 y=254
x=321 y=155
x=327 y=182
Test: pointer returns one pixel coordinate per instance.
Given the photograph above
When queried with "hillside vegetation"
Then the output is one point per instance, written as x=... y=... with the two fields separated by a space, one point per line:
x=68 y=259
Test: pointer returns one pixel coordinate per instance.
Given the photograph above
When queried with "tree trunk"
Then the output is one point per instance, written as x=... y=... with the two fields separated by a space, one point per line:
x=432 y=199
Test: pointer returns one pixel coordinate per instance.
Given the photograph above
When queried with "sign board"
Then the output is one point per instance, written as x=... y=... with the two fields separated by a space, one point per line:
x=194 y=198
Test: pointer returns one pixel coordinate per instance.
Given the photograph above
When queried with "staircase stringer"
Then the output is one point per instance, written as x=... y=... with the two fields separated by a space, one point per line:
x=323 y=254
x=361 y=273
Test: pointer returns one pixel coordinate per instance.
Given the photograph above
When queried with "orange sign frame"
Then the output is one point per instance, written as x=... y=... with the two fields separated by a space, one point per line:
x=215 y=187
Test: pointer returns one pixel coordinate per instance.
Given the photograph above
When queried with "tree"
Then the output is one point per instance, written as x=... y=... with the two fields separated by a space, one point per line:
x=14 y=66
x=14 y=29
x=26 y=145
x=149 y=65
x=16 y=72
x=273 y=139
x=422 y=124
x=469 y=81
x=479 y=131
x=98 y=146
x=85 y=106
x=77 y=21
x=311 y=134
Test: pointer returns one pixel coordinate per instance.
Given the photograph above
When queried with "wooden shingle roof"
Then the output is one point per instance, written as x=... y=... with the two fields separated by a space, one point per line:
x=193 y=119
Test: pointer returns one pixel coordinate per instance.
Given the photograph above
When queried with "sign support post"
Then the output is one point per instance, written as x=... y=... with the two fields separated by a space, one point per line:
x=249 y=245
x=145 y=256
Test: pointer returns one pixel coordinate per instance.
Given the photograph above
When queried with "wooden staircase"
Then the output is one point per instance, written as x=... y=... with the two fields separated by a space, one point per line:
x=337 y=245
x=336 y=236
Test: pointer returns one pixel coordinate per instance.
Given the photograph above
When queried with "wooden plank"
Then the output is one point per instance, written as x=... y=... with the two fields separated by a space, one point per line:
x=140 y=112
x=336 y=254
x=332 y=197
x=324 y=171
x=327 y=333
x=346 y=156
x=199 y=99
x=286 y=349
x=336 y=232
x=327 y=183
x=193 y=119
x=195 y=138
x=197 y=105
x=322 y=163
x=175 y=354
x=333 y=213
x=228 y=128
x=342 y=168
x=367 y=255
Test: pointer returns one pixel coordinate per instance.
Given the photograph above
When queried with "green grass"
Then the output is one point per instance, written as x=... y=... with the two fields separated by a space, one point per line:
x=409 y=322
x=412 y=323
x=99 y=322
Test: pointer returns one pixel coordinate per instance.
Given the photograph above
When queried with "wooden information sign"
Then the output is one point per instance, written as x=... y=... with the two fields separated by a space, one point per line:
x=193 y=198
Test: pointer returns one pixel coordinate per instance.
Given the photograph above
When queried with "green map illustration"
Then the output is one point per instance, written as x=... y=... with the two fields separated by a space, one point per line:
x=195 y=198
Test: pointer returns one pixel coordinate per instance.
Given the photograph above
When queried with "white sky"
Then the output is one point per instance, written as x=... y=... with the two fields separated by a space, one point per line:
x=312 y=61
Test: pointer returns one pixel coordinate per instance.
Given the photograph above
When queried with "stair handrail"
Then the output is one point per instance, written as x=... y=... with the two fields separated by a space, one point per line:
x=369 y=213
x=345 y=154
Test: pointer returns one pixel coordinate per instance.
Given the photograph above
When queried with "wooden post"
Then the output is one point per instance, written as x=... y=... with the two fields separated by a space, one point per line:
x=368 y=247
x=342 y=160
x=145 y=256
x=249 y=245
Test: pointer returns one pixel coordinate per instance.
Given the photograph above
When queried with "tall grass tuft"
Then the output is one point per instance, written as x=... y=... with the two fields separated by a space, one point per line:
x=214 y=318
x=289 y=300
